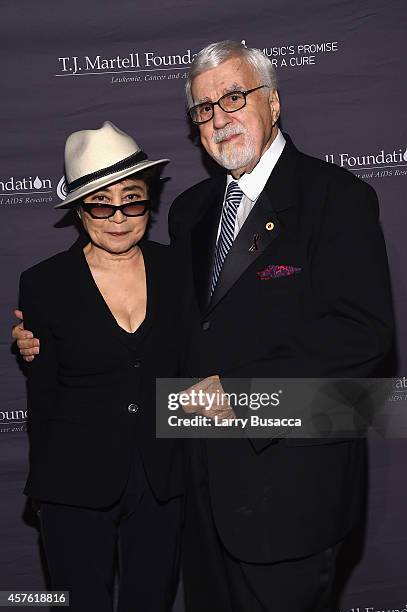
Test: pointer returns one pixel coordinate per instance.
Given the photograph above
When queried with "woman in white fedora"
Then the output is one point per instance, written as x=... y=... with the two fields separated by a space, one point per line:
x=105 y=312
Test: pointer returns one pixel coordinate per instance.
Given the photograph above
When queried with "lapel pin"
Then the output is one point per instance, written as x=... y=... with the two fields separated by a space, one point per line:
x=254 y=246
x=269 y=226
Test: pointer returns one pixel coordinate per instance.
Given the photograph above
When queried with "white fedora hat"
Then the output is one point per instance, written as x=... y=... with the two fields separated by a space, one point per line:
x=97 y=158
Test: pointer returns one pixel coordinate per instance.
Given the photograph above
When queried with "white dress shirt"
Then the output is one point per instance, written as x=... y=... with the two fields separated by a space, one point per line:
x=252 y=184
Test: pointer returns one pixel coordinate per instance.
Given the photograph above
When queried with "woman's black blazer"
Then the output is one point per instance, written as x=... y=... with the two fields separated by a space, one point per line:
x=91 y=393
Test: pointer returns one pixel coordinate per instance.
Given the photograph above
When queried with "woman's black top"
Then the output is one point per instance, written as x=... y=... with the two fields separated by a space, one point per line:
x=91 y=390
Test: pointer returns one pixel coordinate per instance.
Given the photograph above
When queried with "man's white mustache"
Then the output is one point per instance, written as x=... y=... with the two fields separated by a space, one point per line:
x=229 y=130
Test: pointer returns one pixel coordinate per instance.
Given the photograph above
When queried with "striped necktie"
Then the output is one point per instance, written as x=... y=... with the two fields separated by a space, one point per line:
x=233 y=198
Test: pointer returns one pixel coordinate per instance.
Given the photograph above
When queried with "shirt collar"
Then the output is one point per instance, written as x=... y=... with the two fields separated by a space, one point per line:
x=252 y=184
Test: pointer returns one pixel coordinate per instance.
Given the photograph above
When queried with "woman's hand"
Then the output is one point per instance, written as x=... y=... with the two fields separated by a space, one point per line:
x=27 y=344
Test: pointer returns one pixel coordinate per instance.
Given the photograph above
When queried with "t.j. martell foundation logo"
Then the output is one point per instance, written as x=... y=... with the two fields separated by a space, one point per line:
x=25 y=190
x=380 y=164
x=62 y=189
x=13 y=421
x=75 y=65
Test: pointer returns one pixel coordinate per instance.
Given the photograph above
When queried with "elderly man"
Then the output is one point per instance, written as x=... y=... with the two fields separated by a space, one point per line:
x=285 y=275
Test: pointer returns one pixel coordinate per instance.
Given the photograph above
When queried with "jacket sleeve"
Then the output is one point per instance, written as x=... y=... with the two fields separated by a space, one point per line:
x=42 y=371
x=348 y=331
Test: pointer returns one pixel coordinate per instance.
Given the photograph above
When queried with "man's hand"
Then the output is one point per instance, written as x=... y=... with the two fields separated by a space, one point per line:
x=208 y=399
x=27 y=344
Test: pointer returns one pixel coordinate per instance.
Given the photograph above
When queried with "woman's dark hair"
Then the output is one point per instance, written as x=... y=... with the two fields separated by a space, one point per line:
x=152 y=177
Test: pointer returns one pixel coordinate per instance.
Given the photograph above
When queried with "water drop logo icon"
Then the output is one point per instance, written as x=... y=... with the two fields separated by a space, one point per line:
x=62 y=190
x=37 y=183
x=405 y=155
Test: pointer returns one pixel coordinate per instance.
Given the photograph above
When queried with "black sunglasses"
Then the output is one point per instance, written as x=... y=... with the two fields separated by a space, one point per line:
x=106 y=211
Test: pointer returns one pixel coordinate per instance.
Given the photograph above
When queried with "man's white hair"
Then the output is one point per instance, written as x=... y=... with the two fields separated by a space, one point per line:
x=216 y=53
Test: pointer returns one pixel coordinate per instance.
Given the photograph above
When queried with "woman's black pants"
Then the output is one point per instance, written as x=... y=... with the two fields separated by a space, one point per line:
x=138 y=535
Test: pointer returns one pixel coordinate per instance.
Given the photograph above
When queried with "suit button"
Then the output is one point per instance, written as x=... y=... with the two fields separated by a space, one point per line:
x=206 y=325
x=132 y=408
x=136 y=364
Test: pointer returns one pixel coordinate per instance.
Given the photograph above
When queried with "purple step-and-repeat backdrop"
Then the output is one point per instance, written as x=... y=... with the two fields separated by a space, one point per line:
x=341 y=67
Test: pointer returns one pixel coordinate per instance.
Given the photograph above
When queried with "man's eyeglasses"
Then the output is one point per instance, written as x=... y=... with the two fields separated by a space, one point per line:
x=230 y=103
x=106 y=211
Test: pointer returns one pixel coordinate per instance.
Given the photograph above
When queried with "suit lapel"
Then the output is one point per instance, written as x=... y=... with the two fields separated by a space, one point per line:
x=250 y=243
x=203 y=241
x=263 y=224
x=94 y=305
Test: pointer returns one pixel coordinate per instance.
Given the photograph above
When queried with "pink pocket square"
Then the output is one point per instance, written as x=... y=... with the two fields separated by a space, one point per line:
x=275 y=271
